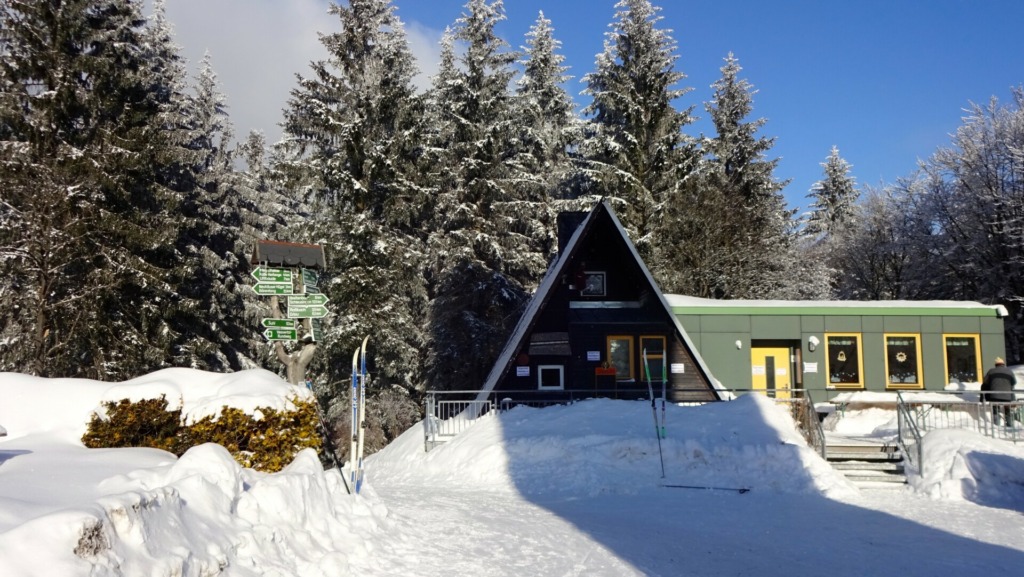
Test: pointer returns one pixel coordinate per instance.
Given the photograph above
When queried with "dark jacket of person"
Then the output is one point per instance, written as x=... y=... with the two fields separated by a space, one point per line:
x=998 y=384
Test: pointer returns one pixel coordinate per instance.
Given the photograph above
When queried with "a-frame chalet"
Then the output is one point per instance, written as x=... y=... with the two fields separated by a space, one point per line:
x=594 y=316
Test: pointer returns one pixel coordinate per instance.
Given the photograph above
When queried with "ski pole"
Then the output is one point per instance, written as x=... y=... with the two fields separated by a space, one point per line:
x=654 y=413
x=664 y=385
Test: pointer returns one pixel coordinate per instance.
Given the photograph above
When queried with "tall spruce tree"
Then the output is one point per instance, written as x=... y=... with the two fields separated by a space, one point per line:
x=90 y=254
x=548 y=130
x=211 y=278
x=636 y=151
x=482 y=259
x=351 y=133
x=833 y=198
x=266 y=210
x=755 y=225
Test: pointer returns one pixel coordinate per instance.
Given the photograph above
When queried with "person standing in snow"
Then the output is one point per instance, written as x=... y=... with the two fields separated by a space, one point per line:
x=997 y=388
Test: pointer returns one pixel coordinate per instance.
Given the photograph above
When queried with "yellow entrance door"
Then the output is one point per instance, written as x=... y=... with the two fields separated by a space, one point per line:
x=771 y=371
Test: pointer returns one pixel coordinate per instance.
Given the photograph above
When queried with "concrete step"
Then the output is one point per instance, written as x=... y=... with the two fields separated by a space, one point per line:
x=864 y=449
x=869 y=465
x=885 y=466
x=867 y=476
x=845 y=456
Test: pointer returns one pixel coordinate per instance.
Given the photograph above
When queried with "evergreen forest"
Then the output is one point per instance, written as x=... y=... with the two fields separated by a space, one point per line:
x=129 y=208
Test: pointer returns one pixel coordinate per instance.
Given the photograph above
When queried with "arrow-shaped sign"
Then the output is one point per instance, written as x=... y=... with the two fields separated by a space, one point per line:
x=272 y=275
x=307 y=312
x=274 y=288
x=315 y=299
x=281 y=334
x=279 y=323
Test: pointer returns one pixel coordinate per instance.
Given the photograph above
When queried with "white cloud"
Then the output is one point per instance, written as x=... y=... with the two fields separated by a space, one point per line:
x=258 y=46
x=425 y=44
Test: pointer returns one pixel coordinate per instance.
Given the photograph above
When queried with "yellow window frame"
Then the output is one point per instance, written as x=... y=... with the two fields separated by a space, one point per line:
x=860 y=361
x=608 y=352
x=918 y=369
x=651 y=358
x=977 y=353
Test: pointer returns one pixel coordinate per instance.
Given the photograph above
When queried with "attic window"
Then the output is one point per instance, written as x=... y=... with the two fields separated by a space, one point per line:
x=593 y=284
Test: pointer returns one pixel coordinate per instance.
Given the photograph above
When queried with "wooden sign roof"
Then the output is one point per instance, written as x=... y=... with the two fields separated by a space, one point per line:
x=293 y=254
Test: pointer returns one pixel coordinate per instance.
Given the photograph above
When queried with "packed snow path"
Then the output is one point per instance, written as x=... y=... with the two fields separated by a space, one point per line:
x=676 y=532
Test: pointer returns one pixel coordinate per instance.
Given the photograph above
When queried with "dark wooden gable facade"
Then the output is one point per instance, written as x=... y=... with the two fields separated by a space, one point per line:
x=590 y=322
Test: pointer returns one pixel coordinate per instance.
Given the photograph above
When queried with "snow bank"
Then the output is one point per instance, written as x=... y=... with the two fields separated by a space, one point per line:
x=61 y=408
x=68 y=510
x=965 y=465
x=203 y=515
x=604 y=446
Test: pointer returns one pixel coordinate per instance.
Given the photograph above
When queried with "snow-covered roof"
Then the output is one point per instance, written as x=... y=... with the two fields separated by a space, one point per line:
x=683 y=303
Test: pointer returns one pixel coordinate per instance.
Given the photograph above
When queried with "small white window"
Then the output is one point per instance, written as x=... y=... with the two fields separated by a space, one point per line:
x=550 y=377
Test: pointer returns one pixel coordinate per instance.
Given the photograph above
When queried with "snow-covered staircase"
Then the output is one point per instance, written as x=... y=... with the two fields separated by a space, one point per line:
x=868 y=464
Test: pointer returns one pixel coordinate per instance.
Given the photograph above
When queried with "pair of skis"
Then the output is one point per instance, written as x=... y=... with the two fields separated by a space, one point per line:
x=359 y=379
x=659 y=430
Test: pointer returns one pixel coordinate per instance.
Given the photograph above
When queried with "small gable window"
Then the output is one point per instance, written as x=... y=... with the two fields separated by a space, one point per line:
x=593 y=284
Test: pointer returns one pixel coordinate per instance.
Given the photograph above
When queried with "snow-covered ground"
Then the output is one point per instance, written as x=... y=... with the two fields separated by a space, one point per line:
x=572 y=490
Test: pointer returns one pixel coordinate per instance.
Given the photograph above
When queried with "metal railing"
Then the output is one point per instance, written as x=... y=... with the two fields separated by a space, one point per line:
x=964 y=410
x=920 y=412
x=908 y=436
x=448 y=413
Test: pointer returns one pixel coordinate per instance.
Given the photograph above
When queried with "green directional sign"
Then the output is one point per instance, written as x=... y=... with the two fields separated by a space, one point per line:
x=272 y=275
x=316 y=331
x=307 y=312
x=281 y=334
x=309 y=306
x=273 y=288
x=309 y=300
x=309 y=278
x=279 y=323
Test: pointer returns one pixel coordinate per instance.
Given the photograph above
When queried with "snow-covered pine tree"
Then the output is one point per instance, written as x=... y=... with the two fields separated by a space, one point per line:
x=548 y=131
x=636 y=152
x=351 y=139
x=481 y=258
x=266 y=209
x=833 y=198
x=85 y=122
x=214 y=263
x=755 y=224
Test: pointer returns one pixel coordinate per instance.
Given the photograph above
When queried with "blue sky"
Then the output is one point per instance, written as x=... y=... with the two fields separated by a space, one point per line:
x=885 y=81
